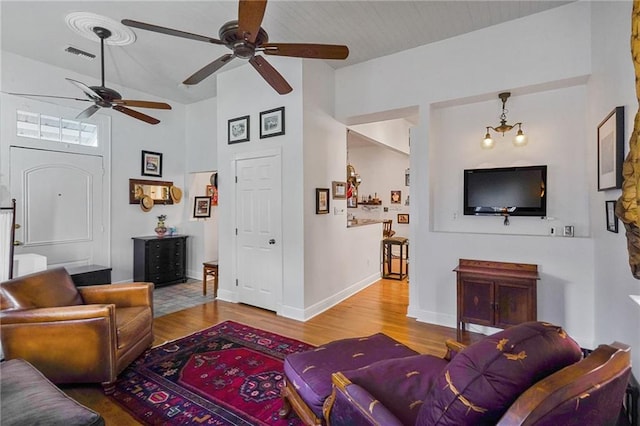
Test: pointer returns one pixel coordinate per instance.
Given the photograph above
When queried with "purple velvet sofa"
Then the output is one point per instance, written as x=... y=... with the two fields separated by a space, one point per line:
x=532 y=371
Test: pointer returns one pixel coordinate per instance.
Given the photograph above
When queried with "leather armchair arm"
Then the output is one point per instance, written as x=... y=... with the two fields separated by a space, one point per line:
x=122 y=295
x=68 y=344
x=57 y=314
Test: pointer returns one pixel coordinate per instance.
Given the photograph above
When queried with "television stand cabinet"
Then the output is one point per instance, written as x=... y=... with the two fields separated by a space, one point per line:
x=495 y=294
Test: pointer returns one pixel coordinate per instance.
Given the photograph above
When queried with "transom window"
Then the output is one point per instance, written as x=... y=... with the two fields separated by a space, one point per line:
x=47 y=127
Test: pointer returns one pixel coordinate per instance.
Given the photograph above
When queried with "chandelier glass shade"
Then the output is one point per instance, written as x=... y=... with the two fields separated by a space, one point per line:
x=519 y=140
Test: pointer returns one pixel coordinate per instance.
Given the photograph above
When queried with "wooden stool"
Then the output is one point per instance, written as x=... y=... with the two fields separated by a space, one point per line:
x=210 y=269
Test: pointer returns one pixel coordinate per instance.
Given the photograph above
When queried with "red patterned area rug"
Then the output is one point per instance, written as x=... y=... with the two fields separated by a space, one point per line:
x=229 y=374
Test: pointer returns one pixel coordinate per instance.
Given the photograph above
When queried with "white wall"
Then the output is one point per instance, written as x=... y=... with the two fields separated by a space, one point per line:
x=201 y=148
x=457 y=80
x=241 y=92
x=611 y=84
x=338 y=260
x=393 y=133
x=128 y=138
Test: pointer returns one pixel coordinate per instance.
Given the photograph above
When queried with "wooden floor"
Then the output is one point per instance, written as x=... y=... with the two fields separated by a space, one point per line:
x=382 y=307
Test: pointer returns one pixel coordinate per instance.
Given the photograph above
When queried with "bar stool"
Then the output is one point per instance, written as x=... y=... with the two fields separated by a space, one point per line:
x=387 y=257
x=210 y=269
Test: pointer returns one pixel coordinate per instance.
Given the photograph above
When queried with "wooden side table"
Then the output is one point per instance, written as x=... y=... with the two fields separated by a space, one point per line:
x=210 y=269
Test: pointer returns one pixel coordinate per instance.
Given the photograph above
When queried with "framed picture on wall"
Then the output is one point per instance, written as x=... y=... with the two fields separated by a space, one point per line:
x=611 y=150
x=238 y=130
x=339 y=190
x=272 y=123
x=202 y=207
x=151 y=164
x=396 y=196
x=403 y=218
x=322 y=200
x=612 y=219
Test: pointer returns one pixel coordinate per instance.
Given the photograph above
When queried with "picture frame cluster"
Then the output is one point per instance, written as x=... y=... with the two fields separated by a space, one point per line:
x=272 y=123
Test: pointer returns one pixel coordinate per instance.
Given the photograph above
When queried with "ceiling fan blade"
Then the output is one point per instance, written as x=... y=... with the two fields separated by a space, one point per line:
x=207 y=70
x=88 y=112
x=250 y=15
x=306 y=50
x=169 y=31
x=135 y=114
x=86 y=89
x=141 y=104
x=270 y=74
x=49 y=96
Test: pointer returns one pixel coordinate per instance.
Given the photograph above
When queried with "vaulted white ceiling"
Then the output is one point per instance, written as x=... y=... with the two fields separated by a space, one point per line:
x=157 y=63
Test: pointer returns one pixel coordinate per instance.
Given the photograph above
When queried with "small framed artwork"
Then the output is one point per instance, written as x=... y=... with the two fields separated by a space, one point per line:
x=322 y=200
x=611 y=150
x=151 y=164
x=396 y=196
x=352 y=202
x=612 y=219
x=403 y=218
x=202 y=207
x=339 y=190
x=272 y=123
x=238 y=130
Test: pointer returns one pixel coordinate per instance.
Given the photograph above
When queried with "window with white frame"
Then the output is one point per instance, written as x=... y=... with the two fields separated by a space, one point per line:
x=47 y=127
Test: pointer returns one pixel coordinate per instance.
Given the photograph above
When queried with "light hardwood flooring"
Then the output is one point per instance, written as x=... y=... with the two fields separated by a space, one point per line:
x=381 y=307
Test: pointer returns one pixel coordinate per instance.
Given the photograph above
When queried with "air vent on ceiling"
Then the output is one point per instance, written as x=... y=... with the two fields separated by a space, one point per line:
x=81 y=53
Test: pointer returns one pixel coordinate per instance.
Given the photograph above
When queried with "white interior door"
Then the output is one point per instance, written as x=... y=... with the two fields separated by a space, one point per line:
x=59 y=205
x=259 y=231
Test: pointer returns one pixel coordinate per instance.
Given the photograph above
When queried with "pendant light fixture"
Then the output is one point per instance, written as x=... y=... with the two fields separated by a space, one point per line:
x=519 y=140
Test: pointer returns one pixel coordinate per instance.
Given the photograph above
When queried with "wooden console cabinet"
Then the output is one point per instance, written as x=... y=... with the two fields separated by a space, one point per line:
x=495 y=294
x=162 y=261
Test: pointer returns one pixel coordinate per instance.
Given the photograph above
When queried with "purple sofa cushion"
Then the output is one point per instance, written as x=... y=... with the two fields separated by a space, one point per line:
x=400 y=385
x=483 y=380
x=310 y=372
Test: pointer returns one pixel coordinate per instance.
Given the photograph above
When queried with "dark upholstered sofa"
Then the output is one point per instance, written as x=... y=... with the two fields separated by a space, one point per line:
x=532 y=373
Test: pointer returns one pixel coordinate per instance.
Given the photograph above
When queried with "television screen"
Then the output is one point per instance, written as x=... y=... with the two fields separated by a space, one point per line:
x=516 y=191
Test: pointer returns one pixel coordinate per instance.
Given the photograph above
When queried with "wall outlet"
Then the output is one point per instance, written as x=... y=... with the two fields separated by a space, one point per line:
x=337 y=211
x=552 y=231
x=568 y=231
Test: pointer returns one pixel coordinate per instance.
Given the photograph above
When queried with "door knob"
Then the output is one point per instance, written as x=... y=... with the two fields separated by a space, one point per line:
x=272 y=241
x=17 y=243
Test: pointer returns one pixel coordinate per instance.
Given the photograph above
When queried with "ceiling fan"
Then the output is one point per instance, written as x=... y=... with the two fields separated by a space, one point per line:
x=245 y=38
x=104 y=97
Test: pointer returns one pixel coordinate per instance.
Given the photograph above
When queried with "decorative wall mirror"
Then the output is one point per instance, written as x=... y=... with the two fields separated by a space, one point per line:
x=158 y=190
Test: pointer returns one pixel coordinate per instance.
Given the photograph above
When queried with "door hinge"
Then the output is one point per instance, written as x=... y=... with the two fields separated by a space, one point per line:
x=236 y=179
x=236 y=282
x=236 y=231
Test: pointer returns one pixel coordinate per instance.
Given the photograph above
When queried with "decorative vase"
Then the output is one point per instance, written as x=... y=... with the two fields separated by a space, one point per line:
x=160 y=228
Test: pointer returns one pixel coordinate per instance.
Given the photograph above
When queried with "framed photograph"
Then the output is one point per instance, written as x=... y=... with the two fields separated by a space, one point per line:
x=339 y=190
x=396 y=196
x=151 y=164
x=612 y=219
x=238 y=130
x=403 y=217
x=272 y=123
x=202 y=207
x=322 y=200
x=611 y=150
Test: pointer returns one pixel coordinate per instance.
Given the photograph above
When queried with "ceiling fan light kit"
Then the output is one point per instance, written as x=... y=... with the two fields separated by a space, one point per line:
x=246 y=38
x=102 y=96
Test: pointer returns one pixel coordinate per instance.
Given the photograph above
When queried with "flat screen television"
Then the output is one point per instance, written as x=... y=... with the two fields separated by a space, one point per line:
x=512 y=191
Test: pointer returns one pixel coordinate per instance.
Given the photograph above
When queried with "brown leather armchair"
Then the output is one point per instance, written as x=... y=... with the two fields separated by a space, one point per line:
x=75 y=335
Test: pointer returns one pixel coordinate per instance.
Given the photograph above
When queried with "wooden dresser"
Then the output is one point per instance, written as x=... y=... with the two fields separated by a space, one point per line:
x=160 y=260
x=495 y=294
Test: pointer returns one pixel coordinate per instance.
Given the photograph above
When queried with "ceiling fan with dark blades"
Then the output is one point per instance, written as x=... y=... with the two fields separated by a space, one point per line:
x=104 y=97
x=245 y=38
